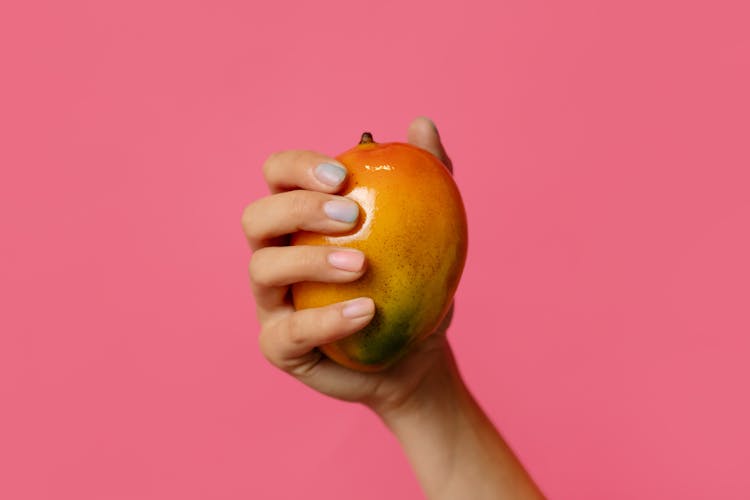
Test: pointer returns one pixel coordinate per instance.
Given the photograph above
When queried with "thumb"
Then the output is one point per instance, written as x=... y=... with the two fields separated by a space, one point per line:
x=423 y=134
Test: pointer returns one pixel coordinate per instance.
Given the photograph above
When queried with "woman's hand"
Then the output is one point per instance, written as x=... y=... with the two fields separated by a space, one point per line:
x=453 y=447
x=304 y=186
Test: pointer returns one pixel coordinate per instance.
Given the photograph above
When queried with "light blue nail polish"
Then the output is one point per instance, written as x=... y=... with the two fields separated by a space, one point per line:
x=341 y=210
x=330 y=174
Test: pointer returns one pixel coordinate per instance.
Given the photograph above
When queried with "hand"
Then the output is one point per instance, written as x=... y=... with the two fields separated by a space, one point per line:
x=455 y=450
x=303 y=197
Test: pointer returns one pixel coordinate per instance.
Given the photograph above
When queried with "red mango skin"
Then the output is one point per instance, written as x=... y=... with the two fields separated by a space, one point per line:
x=412 y=229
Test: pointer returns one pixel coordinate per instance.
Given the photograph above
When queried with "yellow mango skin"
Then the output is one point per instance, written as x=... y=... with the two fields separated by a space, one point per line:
x=413 y=232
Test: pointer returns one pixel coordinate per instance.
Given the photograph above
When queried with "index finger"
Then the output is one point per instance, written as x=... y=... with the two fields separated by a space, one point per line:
x=299 y=169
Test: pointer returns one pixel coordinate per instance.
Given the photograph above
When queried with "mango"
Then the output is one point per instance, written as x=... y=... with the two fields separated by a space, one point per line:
x=412 y=229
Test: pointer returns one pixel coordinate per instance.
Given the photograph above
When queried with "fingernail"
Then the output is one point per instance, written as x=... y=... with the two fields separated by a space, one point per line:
x=330 y=174
x=347 y=260
x=358 y=308
x=342 y=210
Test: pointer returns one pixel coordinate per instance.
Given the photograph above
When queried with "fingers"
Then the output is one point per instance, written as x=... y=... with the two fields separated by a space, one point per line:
x=274 y=268
x=296 y=169
x=282 y=266
x=424 y=134
x=288 y=212
x=289 y=341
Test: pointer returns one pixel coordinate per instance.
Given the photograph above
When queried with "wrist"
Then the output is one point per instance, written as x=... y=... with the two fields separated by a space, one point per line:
x=437 y=396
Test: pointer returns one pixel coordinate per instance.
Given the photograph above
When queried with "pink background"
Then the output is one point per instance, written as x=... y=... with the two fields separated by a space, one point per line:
x=603 y=320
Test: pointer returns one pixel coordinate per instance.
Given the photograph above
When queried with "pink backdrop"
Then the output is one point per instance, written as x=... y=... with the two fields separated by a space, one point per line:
x=603 y=321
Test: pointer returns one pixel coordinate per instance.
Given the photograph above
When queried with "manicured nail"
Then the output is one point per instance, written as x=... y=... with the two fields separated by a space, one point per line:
x=358 y=308
x=329 y=173
x=342 y=210
x=347 y=260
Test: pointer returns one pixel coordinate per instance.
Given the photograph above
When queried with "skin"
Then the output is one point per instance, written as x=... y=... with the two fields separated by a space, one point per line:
x=454 y=449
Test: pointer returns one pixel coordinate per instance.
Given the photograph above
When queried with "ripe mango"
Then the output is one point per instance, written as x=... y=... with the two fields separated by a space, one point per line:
x=412 y=229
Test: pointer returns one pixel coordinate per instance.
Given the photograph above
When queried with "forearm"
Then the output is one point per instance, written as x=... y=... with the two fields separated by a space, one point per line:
x=454 y=449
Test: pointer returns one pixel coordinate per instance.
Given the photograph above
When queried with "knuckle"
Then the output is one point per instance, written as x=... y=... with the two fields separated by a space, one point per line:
x=249 y=221
x=259 y=268
x=308 y=260
x=265 y=346
x=268 y=165
x=247 y=217
x=300 y=205
x=251 y=217
x=295 y=330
